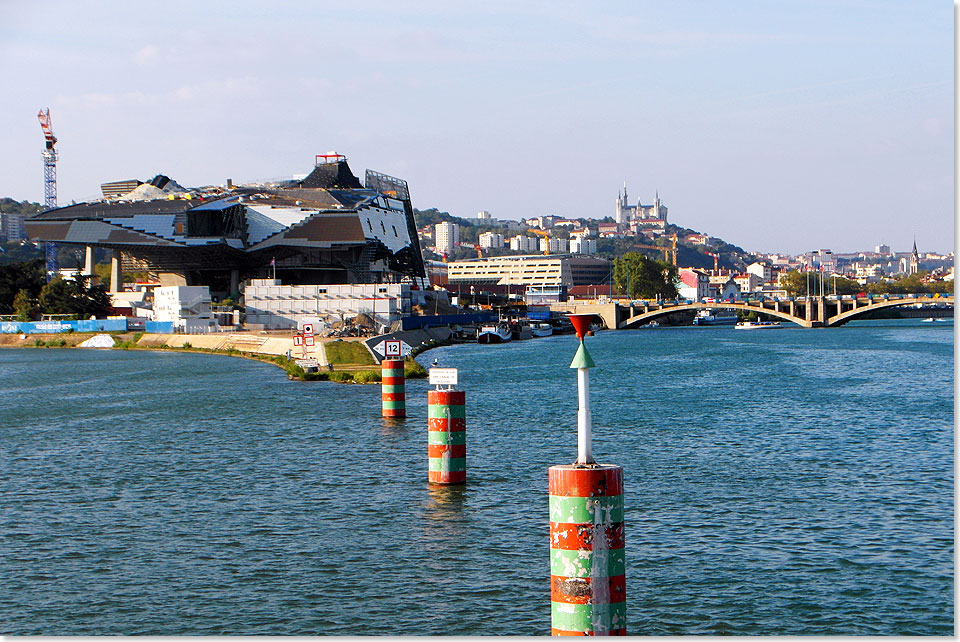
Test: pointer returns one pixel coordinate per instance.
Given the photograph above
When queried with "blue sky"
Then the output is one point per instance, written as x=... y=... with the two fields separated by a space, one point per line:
x=778 y=126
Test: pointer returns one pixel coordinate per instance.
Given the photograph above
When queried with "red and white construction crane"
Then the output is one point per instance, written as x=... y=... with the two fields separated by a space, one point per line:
x=716 y=258
x=49 y=184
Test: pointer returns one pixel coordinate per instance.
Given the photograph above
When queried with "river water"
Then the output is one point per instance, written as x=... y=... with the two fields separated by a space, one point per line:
x=776 y=482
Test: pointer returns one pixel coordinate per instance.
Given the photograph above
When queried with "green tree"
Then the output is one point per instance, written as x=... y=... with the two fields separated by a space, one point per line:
x=24 y=306
x=794 y=282
x=27 y=275
x=641 y=277
x=912 y=284
x=61 y=296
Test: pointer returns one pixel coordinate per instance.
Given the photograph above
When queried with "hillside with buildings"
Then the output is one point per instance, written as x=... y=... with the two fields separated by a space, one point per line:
x=484 y=254
x=325 y=247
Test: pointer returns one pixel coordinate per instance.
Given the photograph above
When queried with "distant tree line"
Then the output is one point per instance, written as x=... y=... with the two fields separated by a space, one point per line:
x=25 y=293
x=795 y=283
x=10 y=206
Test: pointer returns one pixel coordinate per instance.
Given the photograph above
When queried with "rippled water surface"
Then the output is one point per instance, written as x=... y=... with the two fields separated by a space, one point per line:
x=779 y=482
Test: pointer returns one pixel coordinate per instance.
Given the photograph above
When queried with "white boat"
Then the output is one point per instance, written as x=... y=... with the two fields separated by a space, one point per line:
x=541 y=329
x=928 y=320
x=498 y=333
x=714 y=317
x=757 y=325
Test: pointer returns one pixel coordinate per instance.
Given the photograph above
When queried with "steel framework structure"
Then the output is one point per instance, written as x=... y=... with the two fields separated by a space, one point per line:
x=49 y=186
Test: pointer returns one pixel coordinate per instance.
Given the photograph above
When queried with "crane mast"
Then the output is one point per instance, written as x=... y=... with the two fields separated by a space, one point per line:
x=49 y=186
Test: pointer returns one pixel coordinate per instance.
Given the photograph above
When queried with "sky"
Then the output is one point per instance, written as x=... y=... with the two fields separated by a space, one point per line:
x=779 y=126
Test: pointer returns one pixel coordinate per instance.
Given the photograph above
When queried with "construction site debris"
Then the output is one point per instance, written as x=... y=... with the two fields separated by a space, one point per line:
x=153 y=191
x=98 y=341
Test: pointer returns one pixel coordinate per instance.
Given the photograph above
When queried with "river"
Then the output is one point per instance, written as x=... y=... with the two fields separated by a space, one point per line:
x=789 y=482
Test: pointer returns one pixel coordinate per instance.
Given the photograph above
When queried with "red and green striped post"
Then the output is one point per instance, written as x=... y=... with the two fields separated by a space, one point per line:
x=447 y=436
x=393 y=388
x=587 y=563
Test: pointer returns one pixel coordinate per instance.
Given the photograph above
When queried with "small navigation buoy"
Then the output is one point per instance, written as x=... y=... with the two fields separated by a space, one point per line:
x=393 y=388
x=587 y=563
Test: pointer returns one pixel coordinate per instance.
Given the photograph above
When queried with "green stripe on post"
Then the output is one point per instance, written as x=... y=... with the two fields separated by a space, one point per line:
x=392 y=372
x=444 y=438
x=582 y=510
x=440 y=412
x=573 y=563
x=389 y=387
x=394 y=405
x=580 y=617
x=456 y=463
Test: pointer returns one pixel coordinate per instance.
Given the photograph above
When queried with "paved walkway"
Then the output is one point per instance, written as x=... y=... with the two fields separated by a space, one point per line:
x=243 y=341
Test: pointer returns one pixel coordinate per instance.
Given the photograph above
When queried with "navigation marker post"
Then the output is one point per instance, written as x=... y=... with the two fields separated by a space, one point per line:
x=393 y=396
x=393 y=388
x=446 y=429
x=587 y=564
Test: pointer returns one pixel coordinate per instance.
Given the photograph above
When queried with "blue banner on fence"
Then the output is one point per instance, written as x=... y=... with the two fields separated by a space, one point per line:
x=85 y=325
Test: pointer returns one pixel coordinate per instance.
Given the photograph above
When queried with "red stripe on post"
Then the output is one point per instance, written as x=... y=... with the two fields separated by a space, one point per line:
x=447 y=397
x=394 y=412
x=453 y=477
x=567 y=481
x=562 y=632
x=393 y=381
x=388 y=364
x=393 y=396
x=456 y=424
x=576 y=590
x=457 y=451
x=572 y=537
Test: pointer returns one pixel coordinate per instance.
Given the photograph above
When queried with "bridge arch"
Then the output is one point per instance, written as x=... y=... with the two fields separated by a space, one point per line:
x=651 y=315
x=850 y=315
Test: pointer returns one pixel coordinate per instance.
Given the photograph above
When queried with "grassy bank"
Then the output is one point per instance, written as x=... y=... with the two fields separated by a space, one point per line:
x=350 y=360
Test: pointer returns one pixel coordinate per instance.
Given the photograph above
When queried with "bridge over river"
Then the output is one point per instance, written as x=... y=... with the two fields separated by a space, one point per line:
x=808 y=312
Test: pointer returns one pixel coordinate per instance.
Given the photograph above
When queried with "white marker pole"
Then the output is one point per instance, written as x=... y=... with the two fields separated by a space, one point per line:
x=584 y=438
x=582 y=362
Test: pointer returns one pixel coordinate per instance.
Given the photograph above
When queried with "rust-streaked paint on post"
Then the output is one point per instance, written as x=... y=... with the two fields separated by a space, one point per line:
x=587 y=565
x=447 y=436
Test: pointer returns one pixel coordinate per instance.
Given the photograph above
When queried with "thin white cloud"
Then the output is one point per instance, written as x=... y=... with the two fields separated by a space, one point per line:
x=146 y=55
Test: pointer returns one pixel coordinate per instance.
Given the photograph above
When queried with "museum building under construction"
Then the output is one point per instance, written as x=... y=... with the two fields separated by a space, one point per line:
x=324 y=228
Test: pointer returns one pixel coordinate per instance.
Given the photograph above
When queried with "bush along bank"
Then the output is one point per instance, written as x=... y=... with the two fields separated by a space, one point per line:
x=411 y=370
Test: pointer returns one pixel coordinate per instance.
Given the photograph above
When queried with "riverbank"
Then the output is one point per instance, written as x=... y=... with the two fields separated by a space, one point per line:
x=341 y=366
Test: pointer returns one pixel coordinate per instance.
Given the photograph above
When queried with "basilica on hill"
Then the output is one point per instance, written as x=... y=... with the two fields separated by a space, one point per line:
x=638 y=217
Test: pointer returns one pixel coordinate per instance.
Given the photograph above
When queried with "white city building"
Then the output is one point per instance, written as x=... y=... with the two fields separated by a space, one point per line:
x=522 y=243
x=11 y=226
x=446 y=236
x=554 y=245
x=693 y=284
x=270 y=305
x=186 y=306
x=583 y=245
x=762 y=270
x=491 y=240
